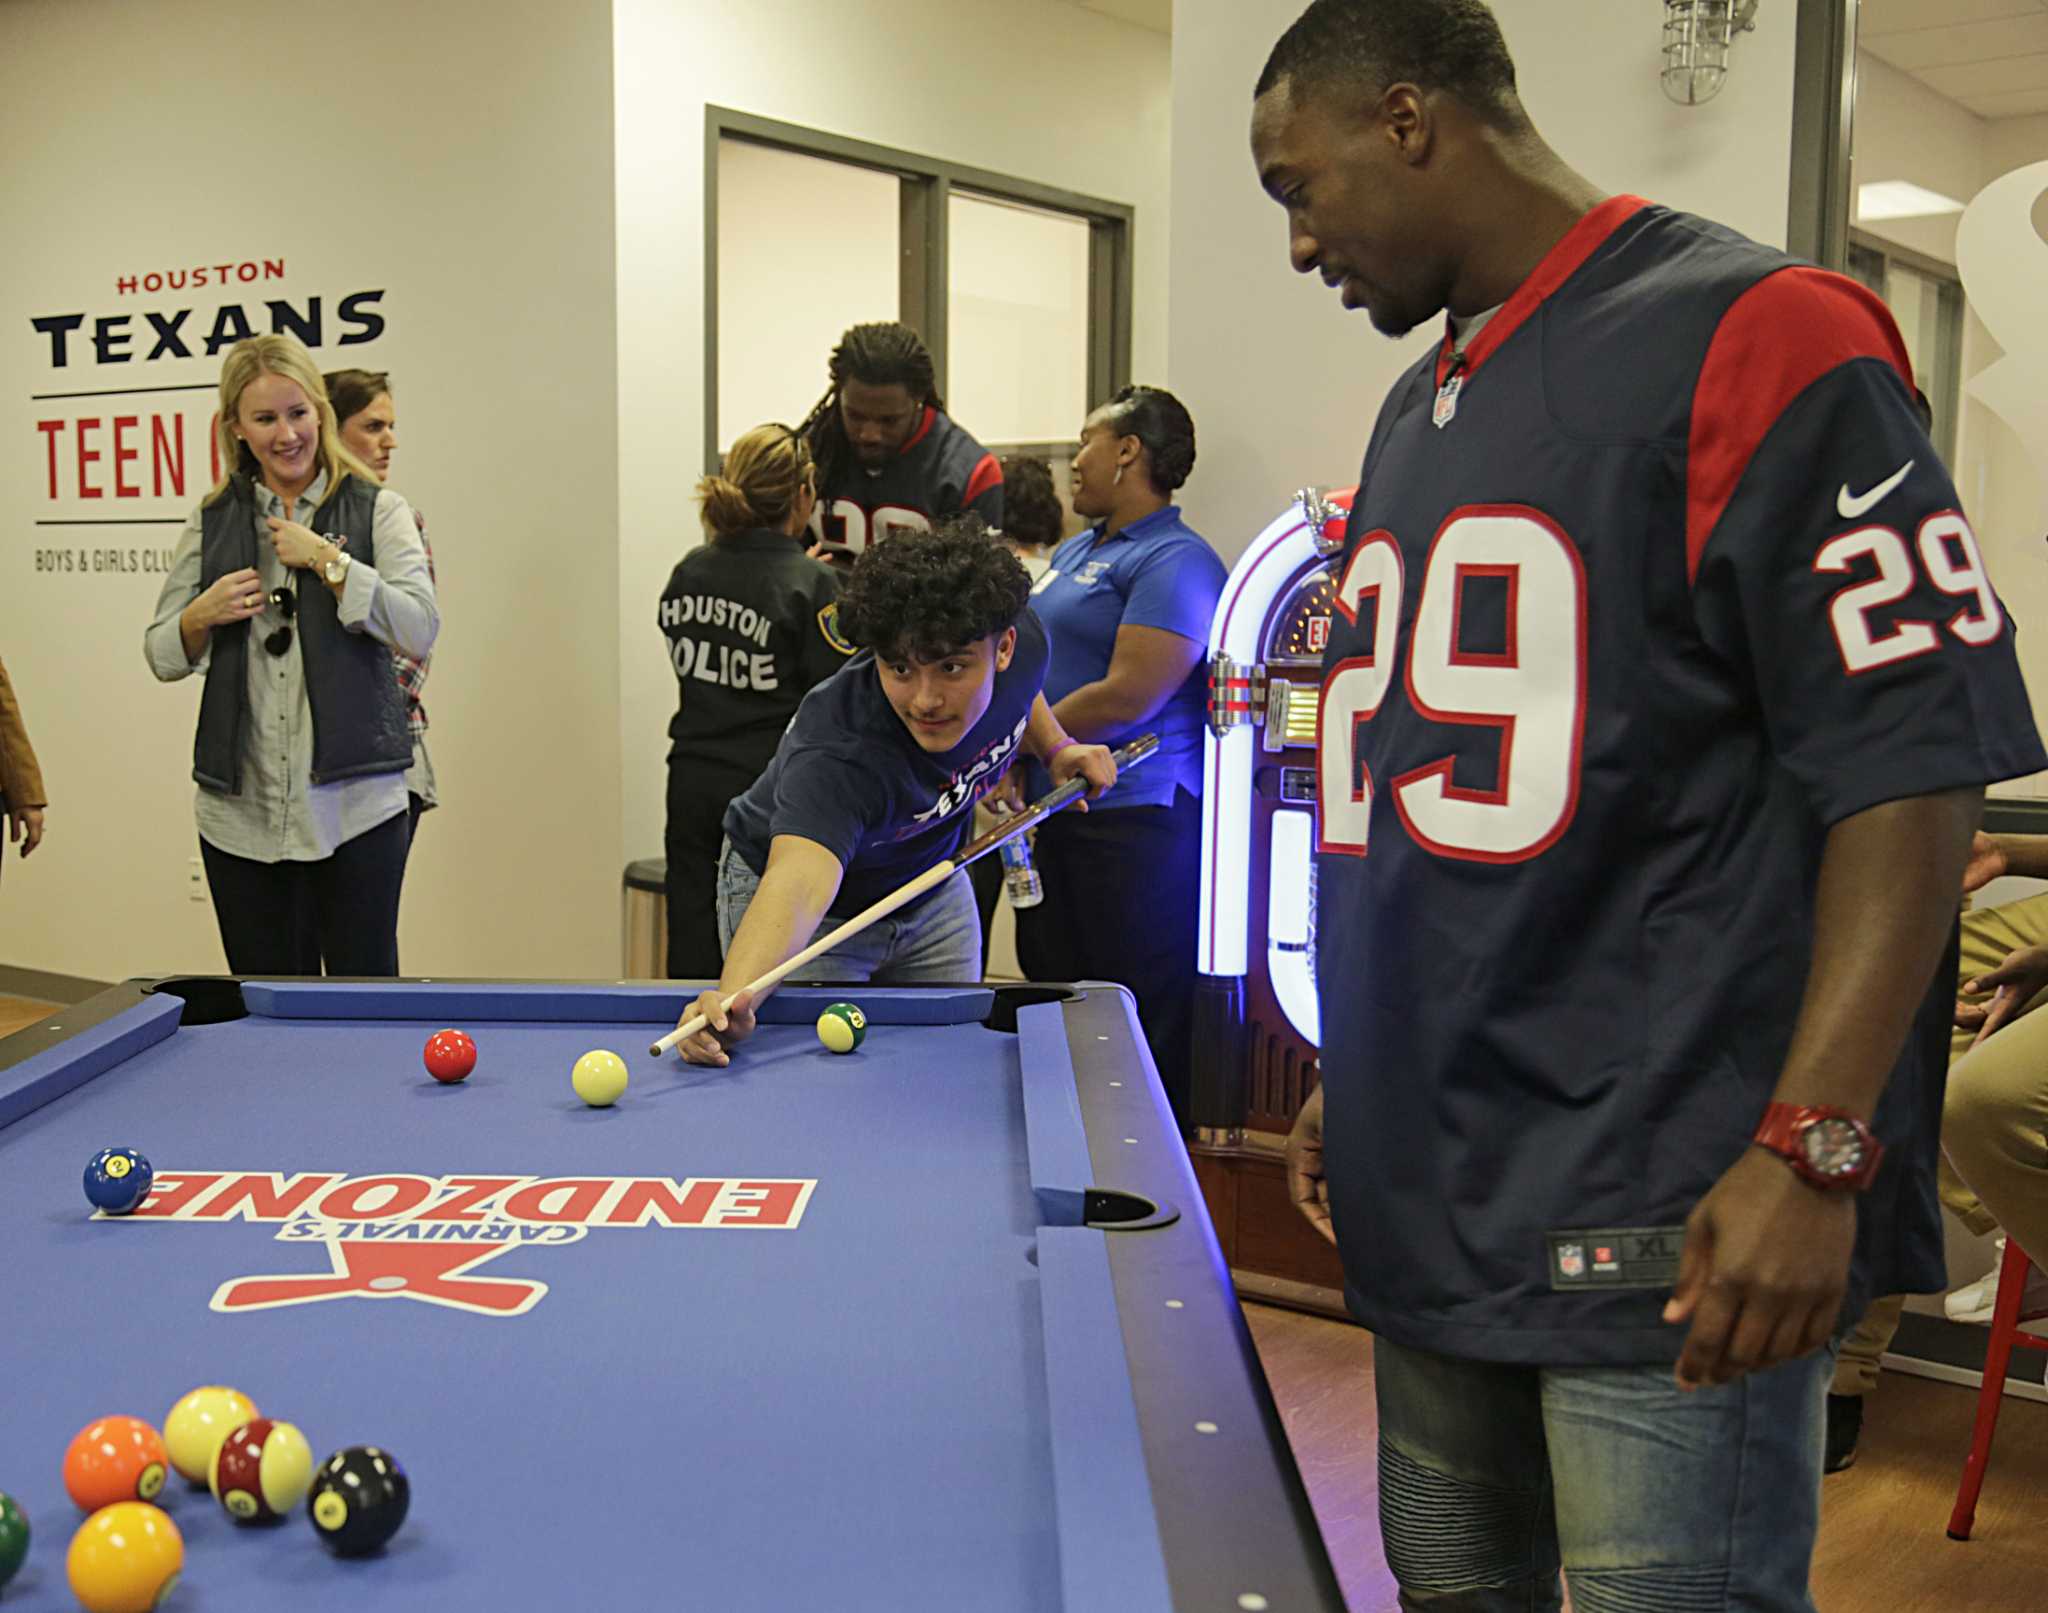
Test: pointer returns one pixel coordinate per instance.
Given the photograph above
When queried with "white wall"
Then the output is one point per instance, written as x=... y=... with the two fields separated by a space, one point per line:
x=1283 y=385
x=146 y=134
x=1031 y=88
x=774 y=308
x=2011 y=143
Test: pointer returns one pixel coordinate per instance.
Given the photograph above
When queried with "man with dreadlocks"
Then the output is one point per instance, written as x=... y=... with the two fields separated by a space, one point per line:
x=888 y=457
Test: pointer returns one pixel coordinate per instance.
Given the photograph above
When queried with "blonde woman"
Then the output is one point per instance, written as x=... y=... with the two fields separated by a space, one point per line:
x=292 y=584
x=751 y=623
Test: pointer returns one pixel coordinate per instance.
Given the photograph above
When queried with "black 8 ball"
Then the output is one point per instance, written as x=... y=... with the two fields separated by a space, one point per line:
x=358 y=1500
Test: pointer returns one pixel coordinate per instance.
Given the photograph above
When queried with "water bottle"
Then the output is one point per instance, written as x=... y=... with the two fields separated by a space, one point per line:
x=1020 y=878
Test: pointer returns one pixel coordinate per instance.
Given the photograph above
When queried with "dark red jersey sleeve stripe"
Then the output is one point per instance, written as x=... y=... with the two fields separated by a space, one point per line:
x=989 y=473
x=1775 y=341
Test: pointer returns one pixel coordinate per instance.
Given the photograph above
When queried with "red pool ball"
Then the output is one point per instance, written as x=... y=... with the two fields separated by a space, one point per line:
x=450 y=1055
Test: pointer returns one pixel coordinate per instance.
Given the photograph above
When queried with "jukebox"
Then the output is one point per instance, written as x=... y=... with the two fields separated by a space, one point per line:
x=1256 y=1028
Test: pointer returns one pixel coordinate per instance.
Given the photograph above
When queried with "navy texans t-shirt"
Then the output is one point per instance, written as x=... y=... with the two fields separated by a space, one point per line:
x=848 y=776
x=1658 y=583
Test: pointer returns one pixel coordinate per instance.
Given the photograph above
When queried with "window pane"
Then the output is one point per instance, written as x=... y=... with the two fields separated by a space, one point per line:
x=1867 y=266
x=1017 y=338
x=1903 y=290
x=1929 y=313
x=780 y=216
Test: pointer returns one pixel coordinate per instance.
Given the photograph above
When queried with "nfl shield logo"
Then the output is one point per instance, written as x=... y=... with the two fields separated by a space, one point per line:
x=1447 y=402
x=1571 y=1260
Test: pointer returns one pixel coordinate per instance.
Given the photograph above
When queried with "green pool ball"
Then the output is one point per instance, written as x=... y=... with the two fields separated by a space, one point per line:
x=13 y=1538
x=842 y=1027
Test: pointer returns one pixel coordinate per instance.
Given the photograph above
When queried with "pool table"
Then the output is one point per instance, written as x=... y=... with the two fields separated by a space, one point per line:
x=939 y=1324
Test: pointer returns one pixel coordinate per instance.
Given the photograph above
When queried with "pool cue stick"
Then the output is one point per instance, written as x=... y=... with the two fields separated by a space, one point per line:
x=937 y=874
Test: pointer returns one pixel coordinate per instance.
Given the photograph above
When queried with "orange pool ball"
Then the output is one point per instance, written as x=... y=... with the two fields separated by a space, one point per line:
x=125 y=1558
x=115 y=1459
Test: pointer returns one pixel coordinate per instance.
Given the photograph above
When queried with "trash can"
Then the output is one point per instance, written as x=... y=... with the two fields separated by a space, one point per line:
x=644 y=921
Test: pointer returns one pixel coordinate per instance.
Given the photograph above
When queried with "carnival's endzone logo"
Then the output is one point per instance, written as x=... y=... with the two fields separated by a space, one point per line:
x=401 y=1236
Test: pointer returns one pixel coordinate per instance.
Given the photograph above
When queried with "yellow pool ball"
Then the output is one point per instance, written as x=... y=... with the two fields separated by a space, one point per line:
x=842 y=1027
x=599 y=1078
x=198 y=1425
x=125 y=1558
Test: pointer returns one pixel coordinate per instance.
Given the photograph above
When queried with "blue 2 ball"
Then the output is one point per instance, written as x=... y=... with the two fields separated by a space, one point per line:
x=117 y=1180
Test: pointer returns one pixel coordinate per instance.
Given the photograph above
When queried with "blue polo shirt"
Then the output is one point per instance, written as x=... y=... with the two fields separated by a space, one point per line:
x=1157 y=572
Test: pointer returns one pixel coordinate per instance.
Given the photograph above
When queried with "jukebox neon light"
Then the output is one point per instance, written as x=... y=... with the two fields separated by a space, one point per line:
x=1258 y=1027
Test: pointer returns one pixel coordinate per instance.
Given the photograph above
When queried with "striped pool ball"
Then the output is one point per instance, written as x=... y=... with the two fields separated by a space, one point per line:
x=842 y=1027
x=117 y=1179
x=262 y=1470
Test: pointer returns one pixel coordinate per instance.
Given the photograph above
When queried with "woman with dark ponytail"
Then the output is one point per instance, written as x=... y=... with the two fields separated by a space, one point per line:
x=1128 y=605
x=751 y=623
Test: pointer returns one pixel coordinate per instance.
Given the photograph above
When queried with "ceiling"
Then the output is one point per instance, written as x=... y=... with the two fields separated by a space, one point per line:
x=1154 y=14
x=1990 y=55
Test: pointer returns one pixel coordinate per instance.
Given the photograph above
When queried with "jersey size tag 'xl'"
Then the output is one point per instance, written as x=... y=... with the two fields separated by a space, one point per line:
x=1615 y=1257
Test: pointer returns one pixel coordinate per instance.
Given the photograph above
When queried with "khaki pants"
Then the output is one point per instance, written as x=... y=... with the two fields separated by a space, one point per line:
x=1994 y=1127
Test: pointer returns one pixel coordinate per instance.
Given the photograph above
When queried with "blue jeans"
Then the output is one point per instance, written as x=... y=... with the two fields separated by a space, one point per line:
x=1651 y=1500
x=937 y=940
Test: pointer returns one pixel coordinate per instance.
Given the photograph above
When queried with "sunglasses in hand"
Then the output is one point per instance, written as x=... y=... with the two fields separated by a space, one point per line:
x=286 y=603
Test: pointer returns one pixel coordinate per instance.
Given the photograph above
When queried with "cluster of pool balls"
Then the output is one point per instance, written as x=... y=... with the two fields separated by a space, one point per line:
x=128 y=1554
x=599 y=1077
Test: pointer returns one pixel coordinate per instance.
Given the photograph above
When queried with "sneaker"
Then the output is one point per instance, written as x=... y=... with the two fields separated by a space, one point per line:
x=1975 y=1302
x=1845 y=1427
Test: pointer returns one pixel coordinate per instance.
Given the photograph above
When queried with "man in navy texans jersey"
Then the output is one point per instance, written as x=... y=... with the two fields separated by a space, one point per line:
x=889 y=457
x=1662 y=688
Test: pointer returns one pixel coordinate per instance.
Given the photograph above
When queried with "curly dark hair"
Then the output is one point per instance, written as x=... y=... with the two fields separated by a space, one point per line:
x=924 y=595
x=1354 y=45
x=1161 y=422
x=1031 y=507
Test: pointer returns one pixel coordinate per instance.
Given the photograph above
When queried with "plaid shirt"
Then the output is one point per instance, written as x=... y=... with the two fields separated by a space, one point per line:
x=412 y=675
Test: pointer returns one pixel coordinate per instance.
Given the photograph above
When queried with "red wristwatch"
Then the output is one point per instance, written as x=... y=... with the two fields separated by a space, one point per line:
x=1829 y=1147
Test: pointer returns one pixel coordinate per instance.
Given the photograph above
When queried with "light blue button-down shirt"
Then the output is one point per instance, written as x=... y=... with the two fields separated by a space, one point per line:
x=281 y=815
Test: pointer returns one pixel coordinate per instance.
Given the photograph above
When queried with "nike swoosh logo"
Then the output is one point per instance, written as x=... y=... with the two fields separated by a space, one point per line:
x=1851 y=506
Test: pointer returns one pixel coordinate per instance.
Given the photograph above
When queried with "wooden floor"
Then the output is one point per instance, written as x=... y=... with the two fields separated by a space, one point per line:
x=17 y=1012
x=1882 y=1545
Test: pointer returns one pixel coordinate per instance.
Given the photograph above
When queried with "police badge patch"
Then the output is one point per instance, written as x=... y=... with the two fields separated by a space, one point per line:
x=828 y=624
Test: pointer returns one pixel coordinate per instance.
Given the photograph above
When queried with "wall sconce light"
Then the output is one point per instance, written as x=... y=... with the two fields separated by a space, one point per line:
x=1697 y=36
